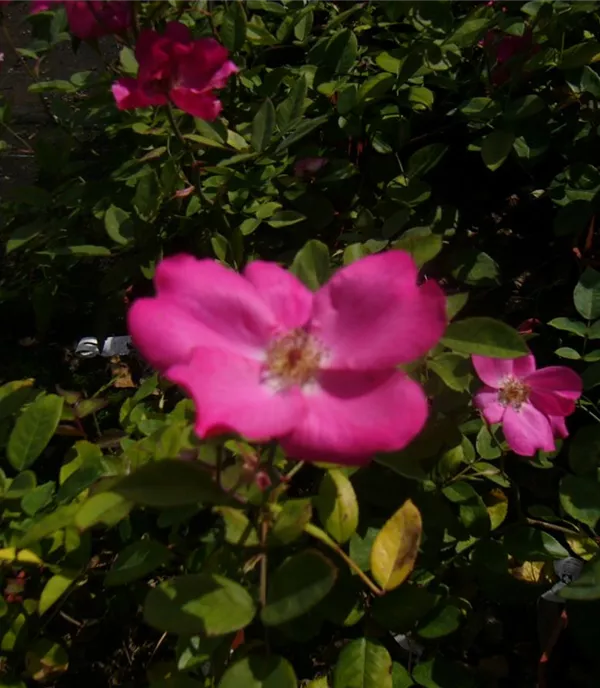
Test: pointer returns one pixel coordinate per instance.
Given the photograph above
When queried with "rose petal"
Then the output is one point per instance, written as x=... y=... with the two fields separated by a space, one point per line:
x=289 y=299
x=493 y=371
x=559 y=426
x=486 y=400
x=128 y=95
x=196 y=103
x=352 y=415
x=166 y=334
x=178 y=32
x=372 y=315
x=220 y=299
x=559 y=379
x=230 y=397
x=526 y=430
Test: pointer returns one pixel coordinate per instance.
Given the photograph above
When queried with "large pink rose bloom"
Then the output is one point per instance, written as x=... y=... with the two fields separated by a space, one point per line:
x=173 y=66
x=265 y=357
x=90 y=19
x=531 y=404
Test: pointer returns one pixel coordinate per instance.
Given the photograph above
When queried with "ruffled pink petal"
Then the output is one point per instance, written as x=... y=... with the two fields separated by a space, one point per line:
x=82 y=22
x=559 y=426
x=196 y=103
x=559 y=379
x=486 y=400
x=352 y=415
x=220 y=77
x=149 y=42
x=526 y=430
x=289 y=299
x=220 y=299
x=230 y=396
x=493 y=371
x=129 y=95
x=178 y=32
x=372 y=315
x=166 y=333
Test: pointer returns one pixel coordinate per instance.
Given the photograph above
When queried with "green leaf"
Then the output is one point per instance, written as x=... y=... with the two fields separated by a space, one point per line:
x=587 y=586
x=527 y=106
x=285 y=218
x=45 y=660
x=20 y=486
x=568 y=352
x=468 y=32
x=194 y=651
x=147 y=197
x=37 y=499
x=530 y=544
x=337 y=506
x=453 y=369
x=484 y=337
x=584 y=450
x=300 y=583
x=363 y=663
x=33 y=430
x=579 y=55
x=580 y=498
x=290 y=111
x=341 y=51
x=400 y=677
x=311 y=264
x=480 y=109
x=106 y=508
x=440 y=673
x=586 y=294
x=568 y=325
x=263 y=125
x=422 y=247
x=22 y=235
x=425 y=159
x=304 y=129
x=170 y=483
x=118 y=225
x=238 y=527
x=61 y=518
x=257 y=671
x=203 y=603
x=446 y=618
x=136 y=561
x=486 y=447
x=496 y=147
x=129 y=63
x=233 y=28
x=290 y=521
x=455 y=303
x=54 y=589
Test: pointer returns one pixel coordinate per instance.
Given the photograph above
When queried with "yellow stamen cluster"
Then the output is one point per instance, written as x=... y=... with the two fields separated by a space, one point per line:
x=514 y=392
x=293 y=359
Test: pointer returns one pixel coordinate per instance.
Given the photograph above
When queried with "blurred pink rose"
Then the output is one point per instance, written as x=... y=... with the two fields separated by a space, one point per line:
x=90 y=19
x=531 y=404
x=265 y=357
x=308 y=167
x=175 y=67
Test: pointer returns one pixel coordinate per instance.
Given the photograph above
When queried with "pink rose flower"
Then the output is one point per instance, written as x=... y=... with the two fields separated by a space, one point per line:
x=308 y=167
x=90 y=19
x=531 y=404
x=265 y=357
x=175 y=67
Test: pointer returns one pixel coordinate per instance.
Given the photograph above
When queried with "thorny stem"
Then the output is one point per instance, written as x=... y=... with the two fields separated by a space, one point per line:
x=318 y=534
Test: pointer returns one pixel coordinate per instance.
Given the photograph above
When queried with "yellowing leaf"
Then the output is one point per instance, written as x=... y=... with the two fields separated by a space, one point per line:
x=24 y=556
x=496 y=503
x=583 y=547
x=395 y=548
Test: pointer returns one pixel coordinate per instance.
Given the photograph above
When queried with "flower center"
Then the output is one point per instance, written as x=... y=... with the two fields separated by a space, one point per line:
x=514 y=392
x=293 y=359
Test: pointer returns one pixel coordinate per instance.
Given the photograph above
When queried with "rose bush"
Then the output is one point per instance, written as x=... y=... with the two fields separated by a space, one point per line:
x=356 y=439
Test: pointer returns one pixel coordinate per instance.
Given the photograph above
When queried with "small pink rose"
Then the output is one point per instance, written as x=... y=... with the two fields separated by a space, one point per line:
x=175 y=67
x=531 y=404
x=309 y=167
